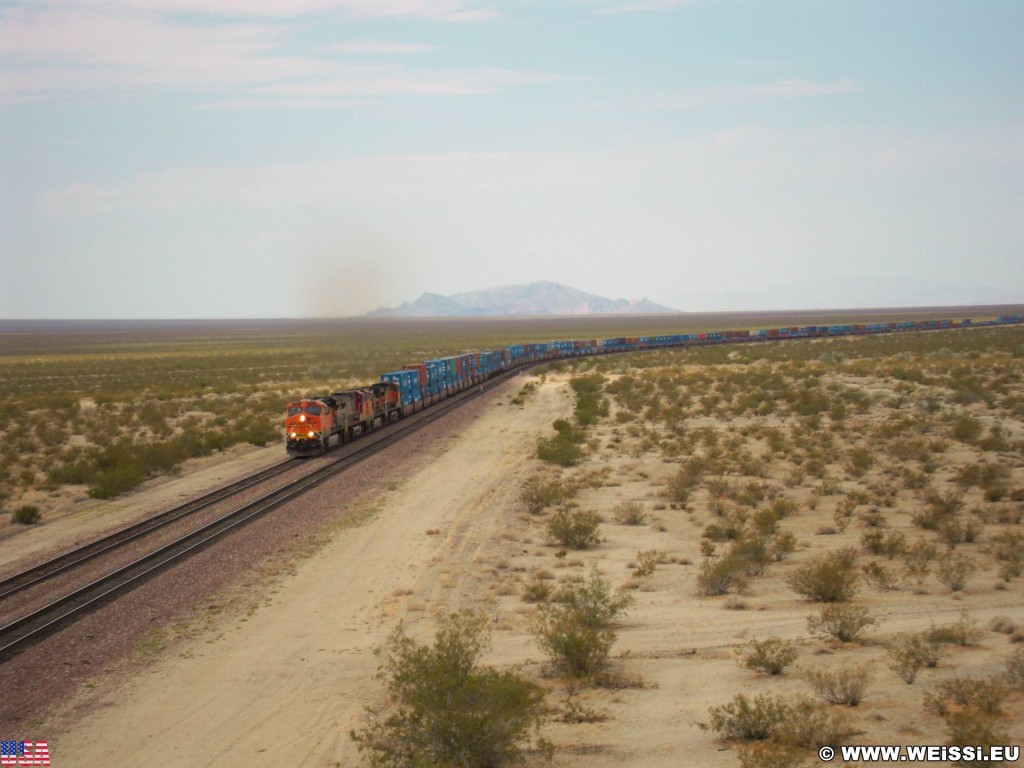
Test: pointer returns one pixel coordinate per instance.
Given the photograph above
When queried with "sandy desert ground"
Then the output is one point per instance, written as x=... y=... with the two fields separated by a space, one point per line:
x=284 y=683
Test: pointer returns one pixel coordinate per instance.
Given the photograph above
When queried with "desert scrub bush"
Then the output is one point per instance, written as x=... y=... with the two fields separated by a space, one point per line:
x=811 y=725
x=770 y=754
x=564 y=447
x=751 y=552
x=841 y=622
x=846 y=685
x=828 y=578
x=575 y=629
x=647 y=561
x=878 y=542
x=1008 y=551
x=576 y=529
x=729 y=526
x=962 y=632
x=717 y=576
x=781 y=544
x=955 y=570
x=538 y=493
x=939 y=508
x=806 y=726
x=957 y=531
x=966 y=428
x=771 y=656
x=539 y=588
x=743 y=719
x=983 y=475
x=590 y=405
x=26 y=514
x=765 y=521
x=984 y=695
x=912 y=652
x=860 y=461
x=629 y=513
x=1014 y=674
x=968 y=728
x=918 y=558
x=446 y=710
x=686 y=478
x=881 y=576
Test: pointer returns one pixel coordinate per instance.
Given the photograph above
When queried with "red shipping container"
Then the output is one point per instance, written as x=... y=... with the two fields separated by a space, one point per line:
x=421 y=370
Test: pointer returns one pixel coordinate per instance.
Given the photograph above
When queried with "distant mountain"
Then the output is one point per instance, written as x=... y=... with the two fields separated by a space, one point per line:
x=540 y=298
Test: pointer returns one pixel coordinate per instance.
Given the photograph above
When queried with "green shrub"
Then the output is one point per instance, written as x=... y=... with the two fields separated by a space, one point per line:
x=560 y=450
x=829 y=578
x=590 y=405
x=810 y=725
x=718 y=576
x=538 y=493
x=966 y=428
x=804 y=725
x=746 y=720
x=881 y=576
x=840 y=622
x=445 y=709
x=912 y=652
x=939 y=508
x=576 y=529
x=845 y=685
x=970 y=728
x=1014 y=675
x=751 y=552
x=576 y=631
x=630 y=513
x=955 y=570
x=963 y=633
x=27 y=514
x=538 y=589
x=781 y=544
x=647 y=561
x=918 y=558
x=956 y=531
x=985 y=695
x=879 y=542
x=771 y=656
x=770 y=754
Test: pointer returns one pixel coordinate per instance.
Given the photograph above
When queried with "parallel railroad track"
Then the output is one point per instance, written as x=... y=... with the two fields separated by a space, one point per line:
x=89 y=583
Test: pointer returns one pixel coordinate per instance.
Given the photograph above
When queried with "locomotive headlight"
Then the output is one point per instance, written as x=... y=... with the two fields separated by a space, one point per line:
x=293 y=435
x=311 y=433
x=302 y=417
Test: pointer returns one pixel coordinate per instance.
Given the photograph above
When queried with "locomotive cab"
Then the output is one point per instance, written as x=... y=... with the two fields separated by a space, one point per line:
x=309 y=425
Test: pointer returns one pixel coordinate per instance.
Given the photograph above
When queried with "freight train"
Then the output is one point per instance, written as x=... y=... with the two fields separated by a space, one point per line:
x=311 y=423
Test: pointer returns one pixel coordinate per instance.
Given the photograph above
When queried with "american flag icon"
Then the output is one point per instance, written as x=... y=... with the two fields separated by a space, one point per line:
x=24 y=753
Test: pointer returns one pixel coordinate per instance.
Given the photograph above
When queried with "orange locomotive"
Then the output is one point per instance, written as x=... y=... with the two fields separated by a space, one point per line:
x=310 y=424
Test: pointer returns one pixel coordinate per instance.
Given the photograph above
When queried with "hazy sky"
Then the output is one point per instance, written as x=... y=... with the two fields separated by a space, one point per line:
x=243 y=158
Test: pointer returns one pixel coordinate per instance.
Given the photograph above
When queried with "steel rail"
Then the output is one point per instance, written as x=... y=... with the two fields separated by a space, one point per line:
x=81 y=554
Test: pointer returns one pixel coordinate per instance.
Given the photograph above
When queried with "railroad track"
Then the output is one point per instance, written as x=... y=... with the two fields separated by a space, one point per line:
x=45 y=613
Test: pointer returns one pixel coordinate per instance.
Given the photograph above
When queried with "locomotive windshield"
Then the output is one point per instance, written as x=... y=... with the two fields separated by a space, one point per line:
x=295 y=410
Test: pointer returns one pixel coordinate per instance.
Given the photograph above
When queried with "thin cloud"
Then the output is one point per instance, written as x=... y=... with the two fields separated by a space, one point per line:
x=732 y=95
x=433 y=10
x=54 y=52
x=375 y=47
x=644 y=6
x=382 y=81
